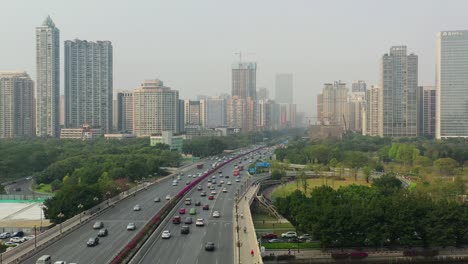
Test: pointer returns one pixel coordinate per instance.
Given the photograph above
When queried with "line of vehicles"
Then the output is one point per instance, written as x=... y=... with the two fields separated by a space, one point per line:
x=102 y=231
x=15 y=238
x=184 y=216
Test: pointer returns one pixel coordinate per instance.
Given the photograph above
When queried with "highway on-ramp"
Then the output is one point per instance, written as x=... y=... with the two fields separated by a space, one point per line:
x=190 y=248
x=72 y=247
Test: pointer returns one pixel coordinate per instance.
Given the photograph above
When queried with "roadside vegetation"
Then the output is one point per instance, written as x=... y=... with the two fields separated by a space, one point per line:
x=209 y=146
x=379 y=192
x=82 y=172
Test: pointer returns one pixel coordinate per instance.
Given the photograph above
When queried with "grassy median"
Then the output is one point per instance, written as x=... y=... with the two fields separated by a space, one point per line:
x=287 y=245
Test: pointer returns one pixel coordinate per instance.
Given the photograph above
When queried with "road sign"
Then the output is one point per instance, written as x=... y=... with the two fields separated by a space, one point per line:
x=263 y=165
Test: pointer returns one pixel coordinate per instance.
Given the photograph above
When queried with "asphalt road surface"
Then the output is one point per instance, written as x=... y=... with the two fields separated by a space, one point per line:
x=72 y=247
x=23 y=184
x=190 y=248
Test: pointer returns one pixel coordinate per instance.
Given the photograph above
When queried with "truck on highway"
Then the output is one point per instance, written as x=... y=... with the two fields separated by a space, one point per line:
x=200 y=166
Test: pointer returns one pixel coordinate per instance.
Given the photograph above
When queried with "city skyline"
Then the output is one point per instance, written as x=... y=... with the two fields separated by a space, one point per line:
x=310 y=60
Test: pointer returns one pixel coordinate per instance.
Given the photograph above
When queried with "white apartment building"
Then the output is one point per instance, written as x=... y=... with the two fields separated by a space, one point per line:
x=16 y=105
x=48 y=79
x=155 y=109
x=399 y=83
x=89 y=84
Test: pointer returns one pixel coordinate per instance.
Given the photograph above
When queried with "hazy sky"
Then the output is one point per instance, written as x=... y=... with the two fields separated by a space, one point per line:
x=191 y=44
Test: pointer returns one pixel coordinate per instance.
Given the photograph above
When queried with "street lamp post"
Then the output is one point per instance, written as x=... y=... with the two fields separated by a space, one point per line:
x=60 y=216
x=80 y=207
x=40 y=213
x=108 y=194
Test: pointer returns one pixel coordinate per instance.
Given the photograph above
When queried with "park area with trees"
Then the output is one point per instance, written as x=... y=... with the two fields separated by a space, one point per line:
x=379 y=210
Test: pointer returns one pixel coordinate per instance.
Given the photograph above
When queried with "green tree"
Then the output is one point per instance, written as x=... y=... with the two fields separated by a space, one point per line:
x=367 y=171
x=277 y=174
x=303 y=181
x=446 y=165
x=355 y=160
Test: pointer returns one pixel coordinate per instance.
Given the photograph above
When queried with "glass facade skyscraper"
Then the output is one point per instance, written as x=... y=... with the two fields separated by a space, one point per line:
x=452 y=84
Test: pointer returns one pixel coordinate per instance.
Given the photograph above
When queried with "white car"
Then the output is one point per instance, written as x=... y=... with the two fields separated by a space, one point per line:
x=213 y=177
x=5 y=235
x=166 y=234
x=216 y=214
x=136 y=208
x=224 y=190
x=27 y=238
x=131 y=226
x=289 y=234
x=200 y=222
x=190 y=175
x=17 y=239
x=11 y=244
x=60 y=262
x=237 y=180
x=174 y=183
x=229 y=183
x=168 y=197
x=222 y=182
x=213 y=192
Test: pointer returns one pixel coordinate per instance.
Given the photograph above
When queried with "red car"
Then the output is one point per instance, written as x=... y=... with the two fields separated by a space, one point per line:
x=269 y=236
x=182 y=211
x=211 y=197
x=176 y=219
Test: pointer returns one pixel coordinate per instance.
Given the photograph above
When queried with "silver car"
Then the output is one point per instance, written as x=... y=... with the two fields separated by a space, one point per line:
x=131 y=226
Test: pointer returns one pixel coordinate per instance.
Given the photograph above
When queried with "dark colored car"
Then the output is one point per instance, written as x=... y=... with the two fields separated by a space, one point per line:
x=209 y=246
x=185 y=229
x=102 y=232
x=197 y=203
x=188 y=220
x=176 y=219
x=18 y=189
x=269 y=236
x=358 y=255
x=206 y=207
x=92 y=242
x=18 y=234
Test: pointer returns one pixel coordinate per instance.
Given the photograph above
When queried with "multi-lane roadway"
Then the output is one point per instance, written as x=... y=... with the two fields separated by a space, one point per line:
x=190 y=248
x=72 y=247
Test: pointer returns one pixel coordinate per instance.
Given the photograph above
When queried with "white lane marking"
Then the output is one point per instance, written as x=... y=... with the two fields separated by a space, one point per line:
x=177 y=262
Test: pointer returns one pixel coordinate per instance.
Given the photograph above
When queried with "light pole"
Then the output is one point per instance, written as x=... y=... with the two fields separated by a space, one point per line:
x=60 y=216
x=108 y=194
x=40 y=213
x=80 y=207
